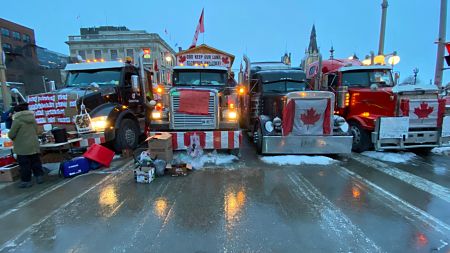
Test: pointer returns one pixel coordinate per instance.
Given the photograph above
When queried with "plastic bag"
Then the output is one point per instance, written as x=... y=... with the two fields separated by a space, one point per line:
x=83 y=121
x=160 y=166
x=145 y=158
x=195 y=149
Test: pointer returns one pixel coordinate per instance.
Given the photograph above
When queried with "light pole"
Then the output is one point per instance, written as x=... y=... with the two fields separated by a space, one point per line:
x=3 y=77
x=384 y=7
x=441 y=45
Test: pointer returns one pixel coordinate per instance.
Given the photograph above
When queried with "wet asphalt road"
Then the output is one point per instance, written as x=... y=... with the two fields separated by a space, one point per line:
x=358 y=204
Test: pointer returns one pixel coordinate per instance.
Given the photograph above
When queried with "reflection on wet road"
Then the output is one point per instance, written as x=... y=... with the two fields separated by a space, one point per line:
x=356 y=204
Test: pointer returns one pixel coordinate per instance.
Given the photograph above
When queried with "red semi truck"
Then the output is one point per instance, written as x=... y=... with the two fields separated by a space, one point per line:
x=379 y=112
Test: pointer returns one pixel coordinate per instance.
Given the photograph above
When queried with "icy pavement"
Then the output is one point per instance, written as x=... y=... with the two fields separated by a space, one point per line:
x=297 y=160
x=207 y=160
x=441 y=151
x=390 y=157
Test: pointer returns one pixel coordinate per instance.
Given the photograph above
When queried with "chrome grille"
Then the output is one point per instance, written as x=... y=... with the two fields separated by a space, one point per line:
x=193 y=122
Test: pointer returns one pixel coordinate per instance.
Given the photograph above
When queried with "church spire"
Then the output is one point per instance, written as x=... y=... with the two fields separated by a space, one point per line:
x=313 y=42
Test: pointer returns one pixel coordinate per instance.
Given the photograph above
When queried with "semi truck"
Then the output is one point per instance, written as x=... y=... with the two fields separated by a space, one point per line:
x=200 y=105
x=381 y=113
x=112 y=93
x=284 y=116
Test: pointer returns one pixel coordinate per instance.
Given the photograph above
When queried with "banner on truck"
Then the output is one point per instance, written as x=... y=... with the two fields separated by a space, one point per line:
x=220 y=60
x=393 y=127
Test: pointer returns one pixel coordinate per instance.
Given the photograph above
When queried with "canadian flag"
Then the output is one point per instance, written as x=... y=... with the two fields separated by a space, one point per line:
x=200 y=29
x=307 y=117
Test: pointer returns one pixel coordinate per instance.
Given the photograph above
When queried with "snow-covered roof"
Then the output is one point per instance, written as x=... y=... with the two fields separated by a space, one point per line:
x=371 y=67
x=200 y=67
x=410 y=87
x=94 y=65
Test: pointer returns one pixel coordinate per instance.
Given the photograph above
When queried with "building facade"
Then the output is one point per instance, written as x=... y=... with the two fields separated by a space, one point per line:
x=110 y=43
x=22 y=66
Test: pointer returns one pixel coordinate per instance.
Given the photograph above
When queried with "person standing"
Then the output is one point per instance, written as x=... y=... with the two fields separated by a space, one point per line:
x=24 y=134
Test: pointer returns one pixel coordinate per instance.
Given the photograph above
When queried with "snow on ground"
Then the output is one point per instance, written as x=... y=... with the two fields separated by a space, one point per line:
x=297 y=160
x=441 y=151
x=213 y=159
x=404 y=157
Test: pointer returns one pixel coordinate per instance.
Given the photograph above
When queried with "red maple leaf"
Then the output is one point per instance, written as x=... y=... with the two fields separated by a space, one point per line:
x=182 y=59
x=225 y=60
x=423 y=111
x=310 y=117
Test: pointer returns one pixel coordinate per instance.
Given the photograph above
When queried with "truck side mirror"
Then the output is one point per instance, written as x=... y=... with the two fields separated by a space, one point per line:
x=396 y=77
x=325 y=82
x=240 y=77
x=341 y=96
x=135 y=83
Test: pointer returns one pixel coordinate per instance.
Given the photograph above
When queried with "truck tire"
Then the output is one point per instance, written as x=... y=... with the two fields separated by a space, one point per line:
x=258 y=138
x=361 y=137
x=127 y=135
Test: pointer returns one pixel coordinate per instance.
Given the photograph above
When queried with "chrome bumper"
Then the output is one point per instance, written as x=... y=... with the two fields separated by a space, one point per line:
x=415 y=139
x=307 y=144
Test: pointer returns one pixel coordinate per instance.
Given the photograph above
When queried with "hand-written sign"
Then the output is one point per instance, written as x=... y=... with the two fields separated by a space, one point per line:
x=200 y=59
x=446 y=127
x=393 y=127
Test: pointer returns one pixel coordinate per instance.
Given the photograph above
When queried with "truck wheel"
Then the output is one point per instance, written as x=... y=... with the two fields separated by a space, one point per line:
x=127 y=135
x=361 y=138
x=258 y=138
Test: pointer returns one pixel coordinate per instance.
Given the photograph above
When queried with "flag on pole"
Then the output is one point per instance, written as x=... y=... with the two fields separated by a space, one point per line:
x=200 y=29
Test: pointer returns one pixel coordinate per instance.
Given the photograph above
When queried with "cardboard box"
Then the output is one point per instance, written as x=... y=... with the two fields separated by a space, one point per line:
x=160 y=141
x=160 y=146
x=176 y=170
x=144 y=176
x=9 y=173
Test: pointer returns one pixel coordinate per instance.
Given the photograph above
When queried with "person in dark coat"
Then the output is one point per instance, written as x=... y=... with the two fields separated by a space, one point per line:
x=24 y=134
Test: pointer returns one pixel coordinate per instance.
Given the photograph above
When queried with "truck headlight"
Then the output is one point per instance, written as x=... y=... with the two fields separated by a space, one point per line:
x=230 y=115
x=99 y=123
x=156 y=114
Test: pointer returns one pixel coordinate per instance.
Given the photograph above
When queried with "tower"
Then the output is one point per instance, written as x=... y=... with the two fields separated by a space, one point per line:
x=312 y=53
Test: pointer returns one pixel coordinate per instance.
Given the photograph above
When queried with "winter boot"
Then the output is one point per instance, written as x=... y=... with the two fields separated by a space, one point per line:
x=25 y=184
x=39 y=179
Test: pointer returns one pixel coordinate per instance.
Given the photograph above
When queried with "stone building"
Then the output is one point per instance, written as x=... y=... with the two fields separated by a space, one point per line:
x=112 y=43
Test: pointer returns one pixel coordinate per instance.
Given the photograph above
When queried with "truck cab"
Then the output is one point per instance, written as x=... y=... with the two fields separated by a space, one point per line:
x=284 y=116
x=369 y=99
x=202 y=102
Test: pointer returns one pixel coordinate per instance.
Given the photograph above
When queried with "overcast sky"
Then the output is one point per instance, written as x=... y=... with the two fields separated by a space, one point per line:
x=263 y=29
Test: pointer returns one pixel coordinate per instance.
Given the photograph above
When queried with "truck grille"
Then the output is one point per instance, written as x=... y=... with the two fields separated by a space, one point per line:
x=193 y=122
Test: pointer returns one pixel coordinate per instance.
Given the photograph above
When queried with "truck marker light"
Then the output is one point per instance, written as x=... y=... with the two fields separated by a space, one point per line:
x=347 y=99
x=95 y=60
x=159 y=106
x=88 y=61
x=102 y=60
x=303 y=94
x=365 y=114
x=231 y=106
x=241 y=90
x=159 y=89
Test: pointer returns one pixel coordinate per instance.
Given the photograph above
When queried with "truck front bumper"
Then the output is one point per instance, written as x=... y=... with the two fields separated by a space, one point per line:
x=415 y=139
x=216 y=139
x=307 y=144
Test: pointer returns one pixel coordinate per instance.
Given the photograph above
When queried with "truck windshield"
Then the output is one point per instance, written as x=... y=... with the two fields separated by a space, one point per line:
x=104 y=77
x=382 y=78
x=284 y=86
x=200 y=78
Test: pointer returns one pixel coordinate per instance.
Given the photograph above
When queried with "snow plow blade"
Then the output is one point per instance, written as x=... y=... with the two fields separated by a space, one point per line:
x=307 y=145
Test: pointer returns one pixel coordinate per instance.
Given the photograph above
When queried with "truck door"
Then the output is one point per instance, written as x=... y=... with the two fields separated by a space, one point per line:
x=133 y=100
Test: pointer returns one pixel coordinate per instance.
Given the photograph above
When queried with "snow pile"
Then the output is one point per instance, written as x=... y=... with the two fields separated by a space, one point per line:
x=441 y=151
x=390 y=157
x=297 y=160
x=205 y=160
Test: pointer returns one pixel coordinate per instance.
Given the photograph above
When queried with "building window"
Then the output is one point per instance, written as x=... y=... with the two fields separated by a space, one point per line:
x=5 y=32
x=26 y=38
x=97 y=54
x=16 y=35
x=82 y=53
x=7 y=47
x=113 y=54
x=130 y=53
